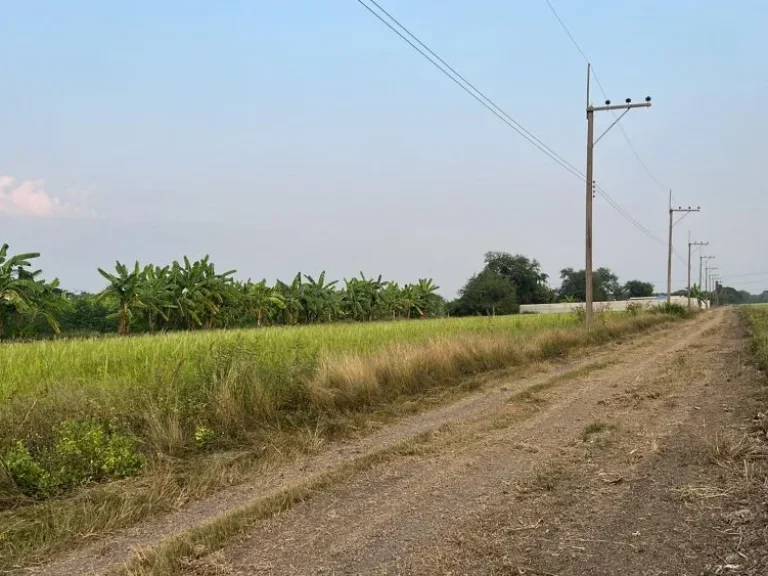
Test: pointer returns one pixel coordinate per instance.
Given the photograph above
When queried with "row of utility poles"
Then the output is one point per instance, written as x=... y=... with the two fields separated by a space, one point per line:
x=590 y=187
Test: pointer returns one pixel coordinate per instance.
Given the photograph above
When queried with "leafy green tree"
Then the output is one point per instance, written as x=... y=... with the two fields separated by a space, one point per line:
x=263 y=300
x=638 y=289
x=361 y=298
x=198 y=293
x=292 y=299
x=123 y=288
x=605 y=285
x=487 y=293
x=530 y=282
x=319 y=299
x=15 y=293
x=156 y=294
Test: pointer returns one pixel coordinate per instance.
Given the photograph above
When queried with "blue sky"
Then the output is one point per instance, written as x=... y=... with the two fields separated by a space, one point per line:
x=286 y=136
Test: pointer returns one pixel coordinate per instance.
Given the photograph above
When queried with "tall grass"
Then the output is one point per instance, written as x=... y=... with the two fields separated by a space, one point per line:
x=182 y=392
x=756 y=317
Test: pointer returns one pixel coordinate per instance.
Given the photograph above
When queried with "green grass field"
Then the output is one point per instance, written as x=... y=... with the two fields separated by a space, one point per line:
x=113 y=362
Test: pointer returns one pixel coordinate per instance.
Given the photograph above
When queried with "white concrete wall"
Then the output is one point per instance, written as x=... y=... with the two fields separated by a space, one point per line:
x=613 y=306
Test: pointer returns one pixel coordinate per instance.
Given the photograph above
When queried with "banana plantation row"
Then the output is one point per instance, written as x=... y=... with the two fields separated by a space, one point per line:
x=187 y=295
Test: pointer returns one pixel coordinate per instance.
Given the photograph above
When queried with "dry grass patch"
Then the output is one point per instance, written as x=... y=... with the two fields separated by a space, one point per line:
x=596 y=427
x=728 y=449
x=691 y=493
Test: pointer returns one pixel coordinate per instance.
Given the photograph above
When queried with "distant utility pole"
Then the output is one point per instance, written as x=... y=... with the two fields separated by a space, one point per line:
x=716 y=280
x=708 y=278
x=672 y=211
x=701 y=259
x=689 y=266
x=627 y=106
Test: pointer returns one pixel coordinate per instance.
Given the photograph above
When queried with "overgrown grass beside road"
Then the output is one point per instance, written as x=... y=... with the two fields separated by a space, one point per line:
x=756 y=317
x=74 y=412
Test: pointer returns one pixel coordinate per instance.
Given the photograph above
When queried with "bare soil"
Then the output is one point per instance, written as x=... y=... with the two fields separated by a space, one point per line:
x=636 y=459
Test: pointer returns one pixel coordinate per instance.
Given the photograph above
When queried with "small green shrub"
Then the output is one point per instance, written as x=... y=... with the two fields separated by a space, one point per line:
x=26 y=473
x=634 y=309
x=84 y=452
x=579 y=313
x=672 y=309
x=204 y=436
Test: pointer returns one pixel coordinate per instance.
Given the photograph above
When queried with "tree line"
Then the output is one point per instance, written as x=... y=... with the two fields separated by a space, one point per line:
x=189 y=295
x=507 y=281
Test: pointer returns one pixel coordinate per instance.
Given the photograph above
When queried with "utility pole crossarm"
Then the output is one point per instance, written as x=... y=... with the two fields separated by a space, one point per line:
x=690 y=245
x=672 y=212
x=626 y=106
x=590 y=181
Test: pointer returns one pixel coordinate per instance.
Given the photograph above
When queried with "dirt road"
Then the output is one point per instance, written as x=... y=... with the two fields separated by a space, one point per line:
x=634 y=460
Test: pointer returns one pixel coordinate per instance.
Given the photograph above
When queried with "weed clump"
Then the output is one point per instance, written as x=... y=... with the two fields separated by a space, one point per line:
x=83 y=452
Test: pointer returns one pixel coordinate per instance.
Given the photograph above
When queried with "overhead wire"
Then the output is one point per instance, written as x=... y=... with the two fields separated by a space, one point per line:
x=605 y=95
x=448 y=70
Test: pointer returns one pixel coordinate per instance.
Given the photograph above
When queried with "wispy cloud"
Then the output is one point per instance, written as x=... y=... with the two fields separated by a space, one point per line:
x=29 y=198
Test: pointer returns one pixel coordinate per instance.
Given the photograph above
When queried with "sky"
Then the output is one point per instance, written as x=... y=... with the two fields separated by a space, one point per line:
x=305 y=136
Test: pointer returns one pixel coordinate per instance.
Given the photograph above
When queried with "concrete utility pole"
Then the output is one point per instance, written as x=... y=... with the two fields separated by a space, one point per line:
x=689 y=266
x=716 y=280
x=590 y=181
x=672 y=211
x=708 y=278
x=701 y=259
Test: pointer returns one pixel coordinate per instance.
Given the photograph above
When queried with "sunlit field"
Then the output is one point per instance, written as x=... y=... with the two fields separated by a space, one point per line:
x=73 y=412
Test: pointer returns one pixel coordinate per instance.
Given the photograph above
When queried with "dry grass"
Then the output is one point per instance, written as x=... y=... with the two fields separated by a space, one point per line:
x=728 y=449
x=545 y=478
x=596 y=427
x=691 y=493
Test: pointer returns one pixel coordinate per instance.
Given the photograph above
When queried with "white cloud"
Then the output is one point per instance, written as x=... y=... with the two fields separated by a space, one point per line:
x=29 y=198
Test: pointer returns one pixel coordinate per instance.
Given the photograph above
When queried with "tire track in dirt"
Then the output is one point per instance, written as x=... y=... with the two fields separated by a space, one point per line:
x=380 y=521
x=115 y=551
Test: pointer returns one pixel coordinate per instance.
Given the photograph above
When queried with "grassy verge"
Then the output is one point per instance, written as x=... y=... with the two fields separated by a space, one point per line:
x=341 y=391
x=756 y=318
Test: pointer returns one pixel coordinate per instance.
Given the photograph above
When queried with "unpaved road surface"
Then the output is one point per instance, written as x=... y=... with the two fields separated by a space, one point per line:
x=637 y=459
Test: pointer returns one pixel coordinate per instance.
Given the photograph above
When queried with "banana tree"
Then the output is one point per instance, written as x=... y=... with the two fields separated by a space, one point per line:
x=261 y=299
x=319 y=299
x=199 y=292
x=292 y=298
x=427 y=300
x=16 y=291
x=124 y=287
x=156 y=294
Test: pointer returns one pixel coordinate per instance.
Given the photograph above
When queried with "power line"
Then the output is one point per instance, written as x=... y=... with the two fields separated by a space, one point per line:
x=603 y=91
x=496 y=110
x=744 y=274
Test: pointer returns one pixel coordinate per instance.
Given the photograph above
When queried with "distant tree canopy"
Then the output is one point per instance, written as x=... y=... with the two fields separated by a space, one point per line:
x=508 y=281
x=605 y=285
x=530 y=282
x=505 y=282
x=487 y=293
x=638 y=289
x=730 y=295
